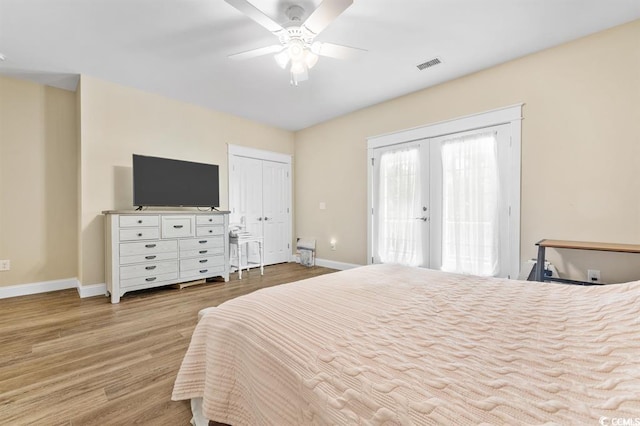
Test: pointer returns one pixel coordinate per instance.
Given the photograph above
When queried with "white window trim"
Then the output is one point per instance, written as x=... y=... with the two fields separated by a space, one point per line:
x=511 y=115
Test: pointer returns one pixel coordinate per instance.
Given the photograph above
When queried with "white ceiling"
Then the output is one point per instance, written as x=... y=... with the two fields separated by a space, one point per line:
x=179 y=48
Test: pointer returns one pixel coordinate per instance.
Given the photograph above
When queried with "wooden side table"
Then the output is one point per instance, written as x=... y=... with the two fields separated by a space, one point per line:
x=576 y=245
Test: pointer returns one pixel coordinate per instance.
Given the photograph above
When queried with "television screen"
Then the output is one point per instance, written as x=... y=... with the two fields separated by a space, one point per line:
x=166 y=182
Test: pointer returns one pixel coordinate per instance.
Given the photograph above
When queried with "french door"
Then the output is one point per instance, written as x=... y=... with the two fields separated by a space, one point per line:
x=401 y=207
x=440 y=202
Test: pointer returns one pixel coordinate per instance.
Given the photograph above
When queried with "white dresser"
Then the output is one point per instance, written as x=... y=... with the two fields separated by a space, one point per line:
x=147 y=249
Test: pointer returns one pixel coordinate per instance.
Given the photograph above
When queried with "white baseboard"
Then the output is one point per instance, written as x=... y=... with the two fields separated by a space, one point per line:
x=336 y=265
x=35 y=288
x=92 y=290
x=54 y=285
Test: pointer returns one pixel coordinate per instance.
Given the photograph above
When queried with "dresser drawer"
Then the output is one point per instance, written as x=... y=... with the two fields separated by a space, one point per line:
x=133 y=234
x=150 y=281
x=213 y=219
x=141 y=220
x=203 y=231
x=145 y=248
x=202 y=251
x=141 y=258
x=194 y=274
x=148 y=269
x=177 y=226
x=201 y=262
x=200 y=243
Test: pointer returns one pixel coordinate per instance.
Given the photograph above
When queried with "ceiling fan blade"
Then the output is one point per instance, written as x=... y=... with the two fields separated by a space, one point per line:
x=256 y=14
x=325 y=14
x=257 y=52
x=335 y=50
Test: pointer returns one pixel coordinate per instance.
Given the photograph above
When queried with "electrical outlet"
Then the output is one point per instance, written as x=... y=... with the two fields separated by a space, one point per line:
x=593 y=275
x=333 y=244
x=5 y=265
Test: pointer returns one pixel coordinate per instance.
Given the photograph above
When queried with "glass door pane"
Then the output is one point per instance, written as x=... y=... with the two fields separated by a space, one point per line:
x=470 y=211
x=401 y=213
x=470 y=204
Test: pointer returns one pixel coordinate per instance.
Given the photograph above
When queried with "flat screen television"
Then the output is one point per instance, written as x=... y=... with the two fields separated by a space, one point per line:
x=167 y=182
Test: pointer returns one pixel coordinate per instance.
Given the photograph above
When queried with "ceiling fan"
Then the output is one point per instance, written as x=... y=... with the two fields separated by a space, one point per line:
x=297 y=46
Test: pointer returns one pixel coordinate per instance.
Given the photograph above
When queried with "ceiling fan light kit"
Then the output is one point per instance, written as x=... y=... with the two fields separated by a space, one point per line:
x=297 y=49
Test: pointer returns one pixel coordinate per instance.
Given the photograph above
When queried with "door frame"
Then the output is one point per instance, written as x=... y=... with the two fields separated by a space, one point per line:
x=510 y=115
x=260 y=154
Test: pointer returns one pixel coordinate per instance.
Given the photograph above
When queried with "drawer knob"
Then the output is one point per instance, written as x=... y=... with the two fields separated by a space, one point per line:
x=150 y=257
x=140 y=221
x=211 y=231
x=203 y=271
x=139 y=235
x=210 y=220
x=150 y=279
x=150 y=268
x=150 y=245
x=203 y=241
x=203 y=251
x=204 y=260
x=178 y=226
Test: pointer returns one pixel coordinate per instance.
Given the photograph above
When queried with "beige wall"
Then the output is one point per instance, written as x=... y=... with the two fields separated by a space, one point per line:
x=580 y=151
x=38 y=151
x=118 y=121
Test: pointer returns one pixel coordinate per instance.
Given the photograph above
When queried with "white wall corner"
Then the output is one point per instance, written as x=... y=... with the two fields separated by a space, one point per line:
x=341 y=266
x=91 y=290
x=36 y=288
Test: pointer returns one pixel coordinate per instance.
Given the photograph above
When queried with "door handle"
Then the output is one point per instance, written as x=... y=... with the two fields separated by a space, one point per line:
x=424 y=218
x=266 y=218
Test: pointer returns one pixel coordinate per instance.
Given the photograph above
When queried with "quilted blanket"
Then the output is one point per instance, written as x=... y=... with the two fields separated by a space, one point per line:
x=386 y=344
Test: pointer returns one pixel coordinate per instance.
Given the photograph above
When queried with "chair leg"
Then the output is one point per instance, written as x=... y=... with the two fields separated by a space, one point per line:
x=261 y=258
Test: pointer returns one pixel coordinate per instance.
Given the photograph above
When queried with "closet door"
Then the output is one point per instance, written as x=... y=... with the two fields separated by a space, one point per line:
x=275 y=209
x=245 y=194
x=260 y=198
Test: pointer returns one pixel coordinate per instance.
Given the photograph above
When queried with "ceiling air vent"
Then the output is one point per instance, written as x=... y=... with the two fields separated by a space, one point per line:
x=429 y=64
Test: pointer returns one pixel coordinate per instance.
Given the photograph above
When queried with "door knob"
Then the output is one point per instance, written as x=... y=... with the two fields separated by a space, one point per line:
x=260 y=218
x=266 y=218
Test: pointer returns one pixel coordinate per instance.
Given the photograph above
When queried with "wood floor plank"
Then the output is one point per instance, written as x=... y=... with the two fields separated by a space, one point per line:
x=71 y=361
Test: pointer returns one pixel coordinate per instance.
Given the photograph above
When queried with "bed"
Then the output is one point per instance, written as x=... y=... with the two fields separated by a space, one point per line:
x=387 y=344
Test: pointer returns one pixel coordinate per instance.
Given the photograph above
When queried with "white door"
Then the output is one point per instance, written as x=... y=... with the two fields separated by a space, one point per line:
x=275 y=211
x=259 y=199
x=245 y=194
x=437 y=203
x=401 y=205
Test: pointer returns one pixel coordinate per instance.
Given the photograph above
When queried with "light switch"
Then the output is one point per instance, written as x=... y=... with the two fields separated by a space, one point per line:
x=323 y=205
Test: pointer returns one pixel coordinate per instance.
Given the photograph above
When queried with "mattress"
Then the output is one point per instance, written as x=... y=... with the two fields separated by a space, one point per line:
x=386 y=344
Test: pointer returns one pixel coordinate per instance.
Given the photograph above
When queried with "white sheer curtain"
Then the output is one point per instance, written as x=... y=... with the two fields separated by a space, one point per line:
x=399 y=204
x=470 y=221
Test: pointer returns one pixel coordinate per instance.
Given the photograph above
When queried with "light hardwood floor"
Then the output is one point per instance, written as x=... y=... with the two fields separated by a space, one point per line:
x=71 y=361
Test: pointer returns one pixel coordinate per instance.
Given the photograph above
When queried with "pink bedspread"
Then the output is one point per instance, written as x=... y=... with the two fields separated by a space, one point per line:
x=388 y=344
